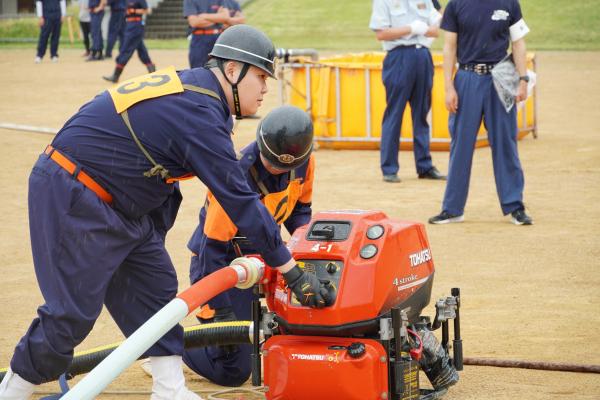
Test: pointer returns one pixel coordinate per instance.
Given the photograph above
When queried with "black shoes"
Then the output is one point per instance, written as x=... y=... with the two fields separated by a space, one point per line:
x=391 y=178
x=433 y=174
x=446 y=218
x=114 y=78
x=519 y=217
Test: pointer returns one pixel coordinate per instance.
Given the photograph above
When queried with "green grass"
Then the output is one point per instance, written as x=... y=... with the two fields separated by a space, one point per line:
x=343 y=25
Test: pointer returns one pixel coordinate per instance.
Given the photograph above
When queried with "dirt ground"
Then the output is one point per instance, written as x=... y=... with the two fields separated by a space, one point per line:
x=528 y=293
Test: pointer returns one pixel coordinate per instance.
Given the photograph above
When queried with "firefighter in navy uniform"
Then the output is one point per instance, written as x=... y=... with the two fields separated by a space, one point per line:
x=96 y=16
x=103 y=196
x=286 y=190
x=478 y=35
x=134 y=39
x=116 y=26
x=51 y=14
x=206 y=19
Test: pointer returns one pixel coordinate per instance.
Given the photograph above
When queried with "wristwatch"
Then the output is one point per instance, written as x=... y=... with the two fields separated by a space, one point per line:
x=524 y=78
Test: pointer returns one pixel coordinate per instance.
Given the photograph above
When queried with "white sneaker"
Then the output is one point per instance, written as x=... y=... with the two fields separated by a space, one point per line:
x=146 y=366
x=168 y=380
x=13 y=387
x=37 y=60
x=54 y=59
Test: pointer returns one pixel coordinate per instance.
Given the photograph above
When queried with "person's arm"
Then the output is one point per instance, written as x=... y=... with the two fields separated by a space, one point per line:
x=40 y=12
x=381 y=24
x=434 y=24
x=519 y=51
x=518 y=29
x=450 y=40
x=63 y=10
x=236 y=19
x=211 y=157
x=450 y=26
x=100 y=7
x=142 y=8
x=203 y=20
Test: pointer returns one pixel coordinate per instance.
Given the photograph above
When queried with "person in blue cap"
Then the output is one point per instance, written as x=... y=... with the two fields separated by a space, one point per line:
x=478 y=34
x=406 y=29
x=104 y=194
x=51 y=14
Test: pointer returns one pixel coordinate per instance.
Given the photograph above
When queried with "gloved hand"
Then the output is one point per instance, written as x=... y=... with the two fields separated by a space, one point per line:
x=307 y=288
x=418 y=27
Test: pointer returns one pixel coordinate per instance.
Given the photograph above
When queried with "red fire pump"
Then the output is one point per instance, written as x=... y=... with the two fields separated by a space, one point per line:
x=372 y=341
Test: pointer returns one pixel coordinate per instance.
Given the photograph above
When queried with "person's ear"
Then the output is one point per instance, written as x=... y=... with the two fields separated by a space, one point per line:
x=230 y=67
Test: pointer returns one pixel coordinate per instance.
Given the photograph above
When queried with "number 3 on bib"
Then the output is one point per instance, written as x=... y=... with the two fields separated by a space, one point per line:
x=156 y=84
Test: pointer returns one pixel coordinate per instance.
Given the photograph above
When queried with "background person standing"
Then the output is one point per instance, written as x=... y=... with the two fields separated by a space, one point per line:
x=84 y=24
x=478 y=34
x=96 y=14
x=206 y=19
x=51 y=14
x=116 y=26
x=406 y=27
x=134 y=40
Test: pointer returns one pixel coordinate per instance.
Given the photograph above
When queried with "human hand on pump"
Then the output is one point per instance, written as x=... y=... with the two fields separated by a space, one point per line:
x=309 y=290
x=418 y=27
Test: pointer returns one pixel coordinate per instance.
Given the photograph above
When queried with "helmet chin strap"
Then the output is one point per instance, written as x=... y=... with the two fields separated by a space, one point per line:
x=234 y=86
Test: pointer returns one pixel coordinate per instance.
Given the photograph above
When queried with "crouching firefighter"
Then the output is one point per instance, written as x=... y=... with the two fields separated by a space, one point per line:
x=104 y=194
x=280 y=168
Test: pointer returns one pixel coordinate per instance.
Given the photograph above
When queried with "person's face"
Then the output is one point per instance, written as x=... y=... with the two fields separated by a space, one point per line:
x=270 y=167
x=251 y=89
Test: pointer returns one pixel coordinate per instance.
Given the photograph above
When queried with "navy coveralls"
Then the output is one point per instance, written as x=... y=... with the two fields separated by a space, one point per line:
x=88 y=252
x=116 y=25
x=482 y=38
x=202 y=39
x=134 y=35
x=51 y=28
x=212 y=249
x=96 y=27
x=408 y=78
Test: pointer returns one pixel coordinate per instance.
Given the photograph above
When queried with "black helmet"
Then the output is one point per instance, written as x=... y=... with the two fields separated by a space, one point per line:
x=248 y=45
x=285 y=137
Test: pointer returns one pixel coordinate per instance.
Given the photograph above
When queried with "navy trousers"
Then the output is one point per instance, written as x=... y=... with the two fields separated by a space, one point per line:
x=477 y=99
x=225 y=368
x=116 y=30
x=96 y=30
x=134 y=40
x=200 y=47
x=50 y=29
x=407 y=77
x=87 y=254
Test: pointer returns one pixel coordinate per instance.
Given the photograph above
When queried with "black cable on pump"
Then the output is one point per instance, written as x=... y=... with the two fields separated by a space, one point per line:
x=234 y=86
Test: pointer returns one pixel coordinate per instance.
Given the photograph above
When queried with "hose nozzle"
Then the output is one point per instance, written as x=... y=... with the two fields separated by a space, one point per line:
x=250 y=270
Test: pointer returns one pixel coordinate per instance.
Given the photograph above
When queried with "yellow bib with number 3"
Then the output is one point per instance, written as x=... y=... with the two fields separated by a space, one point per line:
x=156 y=84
